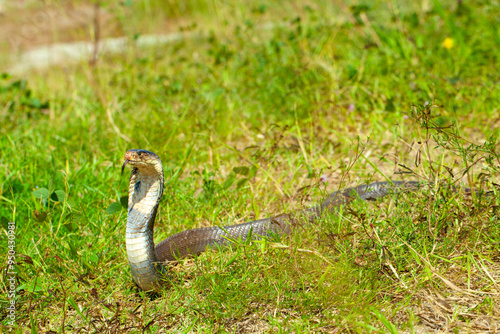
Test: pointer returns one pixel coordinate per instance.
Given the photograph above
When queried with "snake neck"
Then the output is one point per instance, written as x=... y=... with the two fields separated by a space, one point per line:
x=145 y=192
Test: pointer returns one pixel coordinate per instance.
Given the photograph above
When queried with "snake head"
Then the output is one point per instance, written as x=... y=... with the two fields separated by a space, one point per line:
x=142 y=160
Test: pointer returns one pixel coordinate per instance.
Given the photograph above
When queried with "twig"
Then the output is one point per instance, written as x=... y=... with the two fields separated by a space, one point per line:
x=97 y=34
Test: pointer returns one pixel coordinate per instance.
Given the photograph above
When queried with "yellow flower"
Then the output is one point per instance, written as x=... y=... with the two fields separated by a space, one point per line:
x=448 y=43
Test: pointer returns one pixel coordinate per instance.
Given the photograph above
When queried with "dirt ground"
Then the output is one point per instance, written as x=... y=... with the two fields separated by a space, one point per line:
x=27 y=24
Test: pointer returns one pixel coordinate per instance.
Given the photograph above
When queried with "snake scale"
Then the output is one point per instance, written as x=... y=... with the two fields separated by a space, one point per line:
x=147 y=262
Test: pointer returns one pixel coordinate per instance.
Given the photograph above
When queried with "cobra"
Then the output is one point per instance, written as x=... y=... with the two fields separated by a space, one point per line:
x=147 y=261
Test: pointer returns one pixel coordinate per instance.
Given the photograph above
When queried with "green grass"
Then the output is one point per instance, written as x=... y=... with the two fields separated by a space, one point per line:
x=246 y=120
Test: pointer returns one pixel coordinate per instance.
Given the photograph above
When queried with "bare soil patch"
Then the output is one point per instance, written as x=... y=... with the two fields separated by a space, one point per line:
x=24 y=28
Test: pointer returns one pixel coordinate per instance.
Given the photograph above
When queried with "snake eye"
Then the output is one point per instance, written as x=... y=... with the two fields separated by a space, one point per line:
x=139 y=153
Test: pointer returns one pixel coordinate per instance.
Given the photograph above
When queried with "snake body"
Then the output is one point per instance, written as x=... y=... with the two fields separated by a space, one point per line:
x=147 y=262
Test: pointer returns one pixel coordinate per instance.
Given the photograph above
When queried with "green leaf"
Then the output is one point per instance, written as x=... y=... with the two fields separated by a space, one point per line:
x=34 y=102
x=75 y=306
x=72 y=249
x=34 y=328
x=93 y=258
x=241 y=183
x=42 y=193
x=70 y=226
x=71 y=203
x=124 y=201
x=389 y=325
x=323 y=277
x=253 y=171
x=40 y=216
x=243 y=170
x=20 y=84
x=231 y=261
x=229 y=181
x=60 y=195
x=34 y=286
x=4 y=222
x=114 y=208
x=52 y=186
x=72 y=217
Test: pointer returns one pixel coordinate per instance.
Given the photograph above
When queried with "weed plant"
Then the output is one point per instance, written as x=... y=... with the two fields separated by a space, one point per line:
x=265 y=108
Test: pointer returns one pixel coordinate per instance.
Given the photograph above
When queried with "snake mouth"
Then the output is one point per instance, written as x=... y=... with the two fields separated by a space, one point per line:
x=129 y=157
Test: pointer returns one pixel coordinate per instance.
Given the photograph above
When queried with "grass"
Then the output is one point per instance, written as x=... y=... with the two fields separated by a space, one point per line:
x=247 y=121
